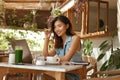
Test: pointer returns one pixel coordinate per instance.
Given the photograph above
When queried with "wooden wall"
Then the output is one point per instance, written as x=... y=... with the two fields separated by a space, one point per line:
x=41 y=17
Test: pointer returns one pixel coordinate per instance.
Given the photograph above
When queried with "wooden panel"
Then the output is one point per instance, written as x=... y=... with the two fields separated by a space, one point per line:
x=24 y=6
x=3 y=58
x=21 y=0
x=32 y=0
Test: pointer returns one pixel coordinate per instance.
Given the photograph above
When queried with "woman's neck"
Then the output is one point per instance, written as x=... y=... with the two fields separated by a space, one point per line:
x=64 y=38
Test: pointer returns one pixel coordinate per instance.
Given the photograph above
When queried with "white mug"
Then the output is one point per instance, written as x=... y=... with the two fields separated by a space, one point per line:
x=51 y=59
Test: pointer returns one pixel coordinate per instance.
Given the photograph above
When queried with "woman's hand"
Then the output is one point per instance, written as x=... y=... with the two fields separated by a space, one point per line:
x=47 y=33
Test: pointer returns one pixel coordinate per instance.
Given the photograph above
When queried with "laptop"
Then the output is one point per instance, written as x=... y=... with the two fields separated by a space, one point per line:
x=27 y=56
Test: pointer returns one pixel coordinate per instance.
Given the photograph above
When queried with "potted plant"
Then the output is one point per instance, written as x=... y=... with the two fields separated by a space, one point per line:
x=87 y=49
x=114 y=60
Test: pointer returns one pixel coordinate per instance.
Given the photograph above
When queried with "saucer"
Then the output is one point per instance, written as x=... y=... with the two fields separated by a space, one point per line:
x=53 y=63
x=19 y=63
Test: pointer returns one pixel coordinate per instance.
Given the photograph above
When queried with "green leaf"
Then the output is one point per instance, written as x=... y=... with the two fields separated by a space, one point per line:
x=87 y=47
x=100 y=57
x=111 y=66
x=104 y=66
x=104 y=46
x=118 y=66
x=103 y=43
x=110 y=59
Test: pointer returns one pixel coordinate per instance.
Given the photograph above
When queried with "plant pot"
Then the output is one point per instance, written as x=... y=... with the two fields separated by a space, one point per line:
x=90 y=59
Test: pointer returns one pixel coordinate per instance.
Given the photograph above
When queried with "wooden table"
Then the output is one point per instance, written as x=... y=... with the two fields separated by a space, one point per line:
x=58 y=70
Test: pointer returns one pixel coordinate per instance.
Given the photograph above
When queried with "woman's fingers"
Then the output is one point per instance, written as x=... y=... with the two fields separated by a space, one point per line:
x=47 y=33
x=47 y=30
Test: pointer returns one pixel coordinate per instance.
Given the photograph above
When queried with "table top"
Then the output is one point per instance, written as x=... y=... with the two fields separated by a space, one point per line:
x=48 y=67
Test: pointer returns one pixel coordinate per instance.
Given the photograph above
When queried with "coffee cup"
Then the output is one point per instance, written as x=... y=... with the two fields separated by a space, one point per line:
x=51 y=59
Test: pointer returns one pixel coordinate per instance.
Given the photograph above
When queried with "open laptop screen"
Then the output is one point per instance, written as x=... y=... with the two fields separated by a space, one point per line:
x=27 y=56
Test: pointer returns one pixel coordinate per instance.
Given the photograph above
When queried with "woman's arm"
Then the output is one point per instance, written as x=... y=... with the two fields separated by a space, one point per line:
x=45 y=48
x=46 y=44
x=75 y=46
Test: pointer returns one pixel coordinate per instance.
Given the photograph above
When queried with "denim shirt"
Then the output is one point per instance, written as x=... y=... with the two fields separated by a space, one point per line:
x=62 y=51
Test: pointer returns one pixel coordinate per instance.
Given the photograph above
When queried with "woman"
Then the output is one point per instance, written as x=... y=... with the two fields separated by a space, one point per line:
x=67 y=44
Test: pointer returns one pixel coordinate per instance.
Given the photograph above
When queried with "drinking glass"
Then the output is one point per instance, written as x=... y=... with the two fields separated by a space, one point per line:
x=18 y=54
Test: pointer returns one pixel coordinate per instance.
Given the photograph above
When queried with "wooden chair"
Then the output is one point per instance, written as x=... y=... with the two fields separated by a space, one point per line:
x=106 y=75
x=27 y=58
x=46 y=77
x=92 y=68
x=100 y=75
x=107 y=78
x=18 y=76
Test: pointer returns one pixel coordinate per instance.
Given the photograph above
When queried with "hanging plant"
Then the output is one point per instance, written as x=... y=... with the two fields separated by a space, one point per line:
x=79 y=7
x=54 y=13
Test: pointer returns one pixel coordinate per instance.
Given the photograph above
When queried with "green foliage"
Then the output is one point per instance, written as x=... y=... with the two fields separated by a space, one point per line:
x=16 y=21
x=104 y=67
x=34 y=42
x=114 y=60
x=26 y=18
x=104 y=47
x=34 y=26
x=87 y=47
x=12 y=18
x=100 y=56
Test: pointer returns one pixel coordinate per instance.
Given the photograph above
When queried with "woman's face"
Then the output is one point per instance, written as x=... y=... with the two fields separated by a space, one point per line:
x=60 y=28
